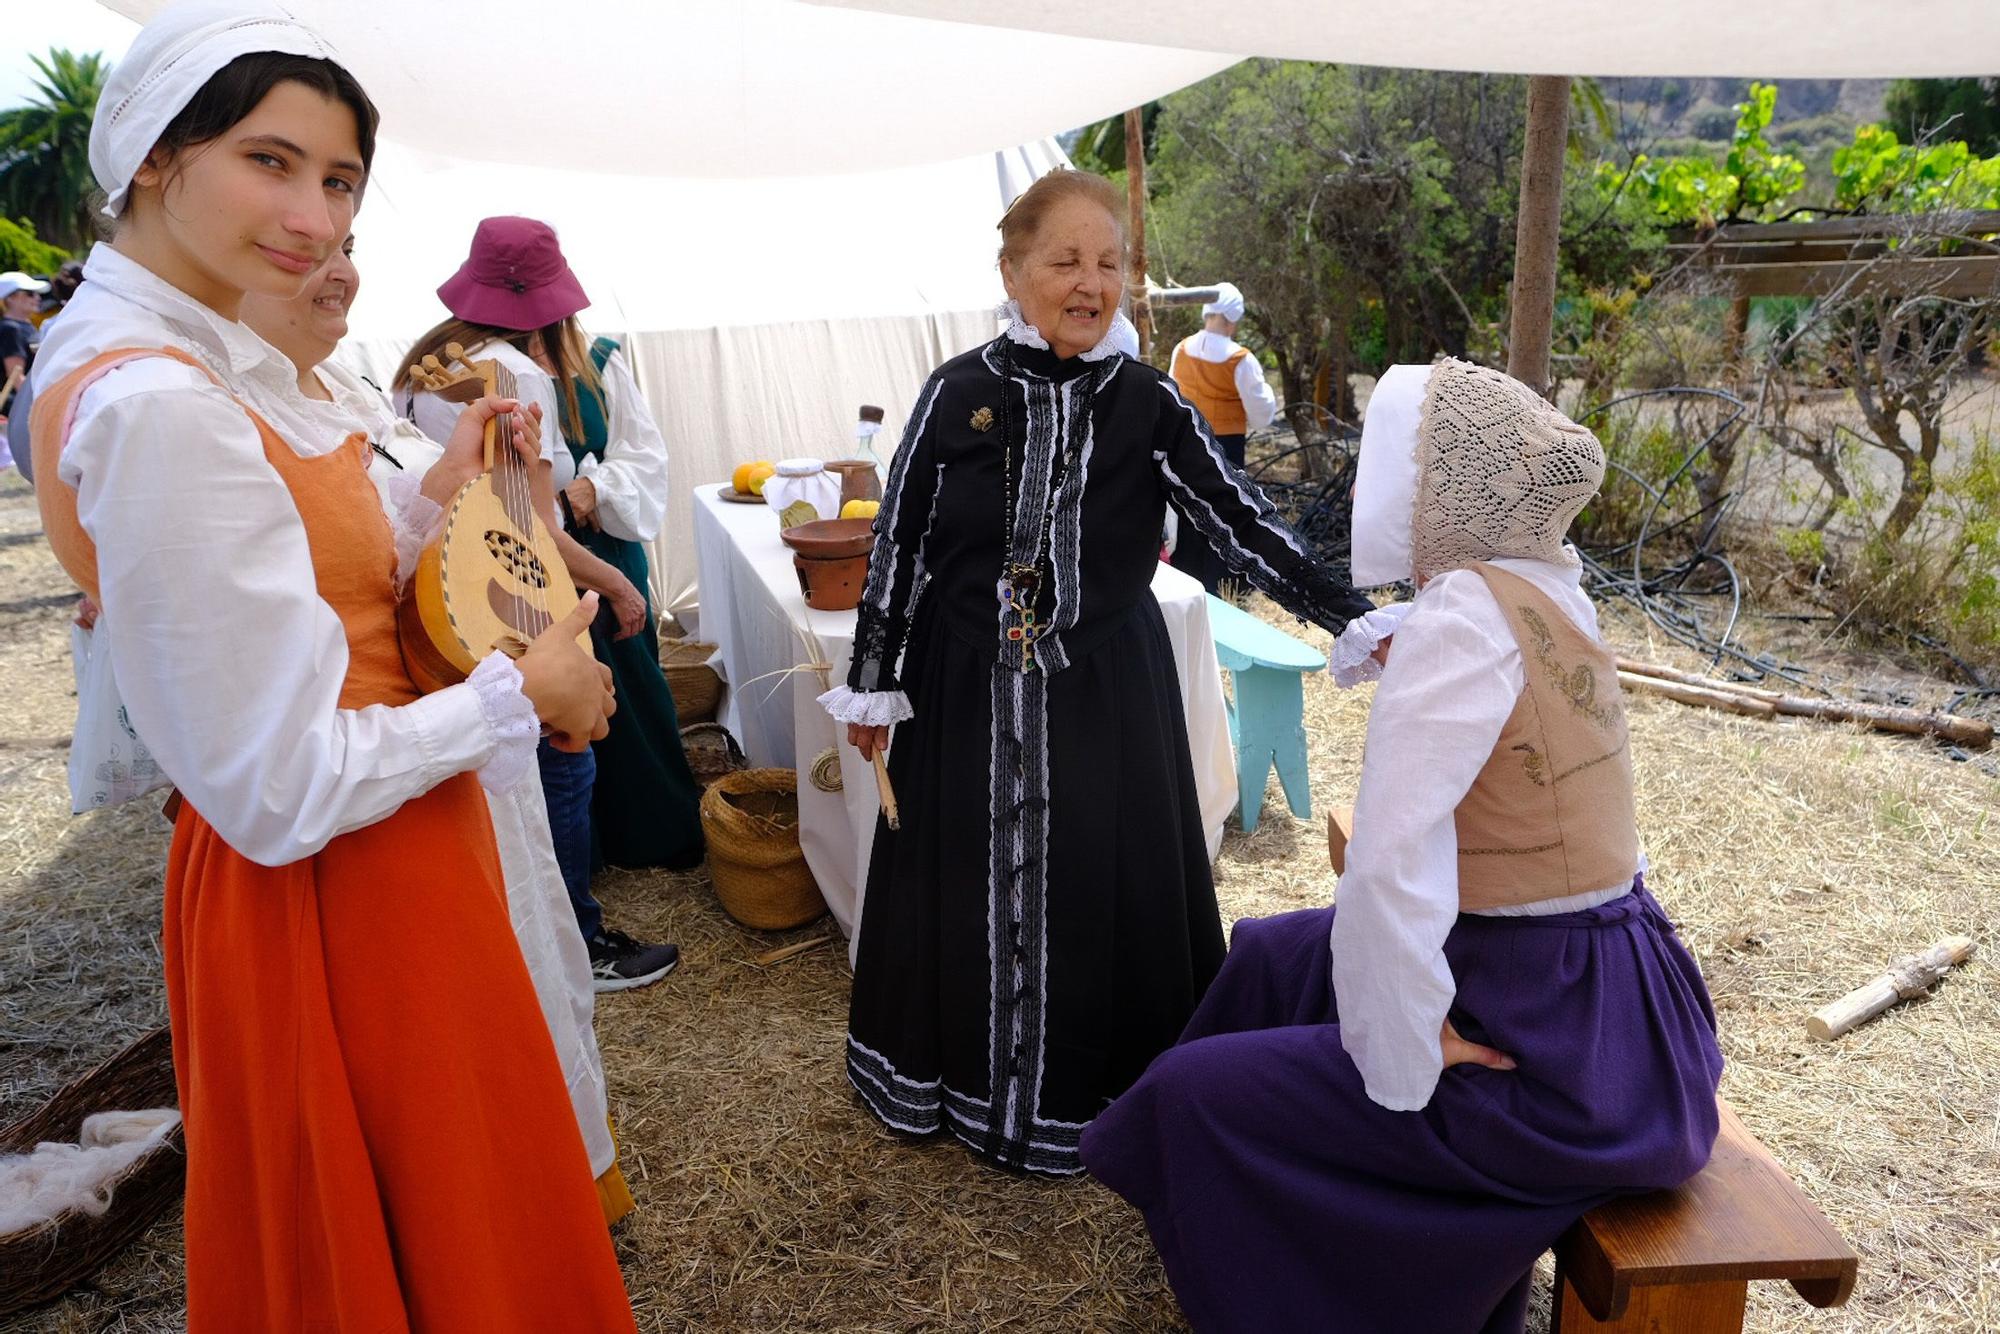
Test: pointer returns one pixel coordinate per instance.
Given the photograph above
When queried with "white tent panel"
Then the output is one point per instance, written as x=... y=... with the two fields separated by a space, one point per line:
x=720 y=87
x=1765 y=38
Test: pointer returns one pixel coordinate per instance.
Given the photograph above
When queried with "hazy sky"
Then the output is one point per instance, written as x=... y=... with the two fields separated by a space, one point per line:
x=33 y=26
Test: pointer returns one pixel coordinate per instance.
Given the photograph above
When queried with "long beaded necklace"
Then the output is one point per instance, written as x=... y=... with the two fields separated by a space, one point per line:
x=1021 y=580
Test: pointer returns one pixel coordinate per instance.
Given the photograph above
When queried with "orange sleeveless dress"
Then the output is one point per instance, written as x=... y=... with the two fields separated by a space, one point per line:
x=378 y=1134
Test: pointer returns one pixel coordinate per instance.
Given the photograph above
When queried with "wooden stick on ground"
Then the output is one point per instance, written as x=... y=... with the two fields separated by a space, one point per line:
x=1907 y=977
x=1706 y=696
x=886 y=792
x=1882 y=717
x=792 y=951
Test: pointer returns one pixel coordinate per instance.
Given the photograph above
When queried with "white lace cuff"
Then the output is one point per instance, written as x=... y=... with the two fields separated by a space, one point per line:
x=497 y=682
x=413 y=517
x=870 y=708
x=1352 y=660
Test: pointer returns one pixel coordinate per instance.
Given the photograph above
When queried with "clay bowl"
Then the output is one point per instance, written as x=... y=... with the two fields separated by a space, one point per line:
x=831 y=539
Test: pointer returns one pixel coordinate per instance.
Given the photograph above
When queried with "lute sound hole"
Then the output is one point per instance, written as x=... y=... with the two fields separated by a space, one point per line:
x=517 y=558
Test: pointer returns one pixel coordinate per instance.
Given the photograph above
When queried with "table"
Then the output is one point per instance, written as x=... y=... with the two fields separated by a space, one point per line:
x=752 y=610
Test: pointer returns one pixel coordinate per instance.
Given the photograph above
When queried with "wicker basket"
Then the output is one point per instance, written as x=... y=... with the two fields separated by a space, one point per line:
x=712 y=752
x=759 y=872
x=695 y=686
x=40 y=1263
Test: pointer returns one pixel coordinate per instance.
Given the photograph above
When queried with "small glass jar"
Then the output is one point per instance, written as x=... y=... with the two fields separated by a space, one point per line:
x=803 y=491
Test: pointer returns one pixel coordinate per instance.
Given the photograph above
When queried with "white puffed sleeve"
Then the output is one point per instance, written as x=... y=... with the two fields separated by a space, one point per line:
x=631 y=479
x=229 y=662
x=1453 y=678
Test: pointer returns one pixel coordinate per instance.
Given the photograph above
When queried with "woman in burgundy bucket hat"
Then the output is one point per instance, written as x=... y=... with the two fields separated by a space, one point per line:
x=633 y=801
x=515 y=278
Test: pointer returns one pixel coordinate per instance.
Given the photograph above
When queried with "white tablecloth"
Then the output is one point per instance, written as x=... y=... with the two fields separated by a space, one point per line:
x=752 y=610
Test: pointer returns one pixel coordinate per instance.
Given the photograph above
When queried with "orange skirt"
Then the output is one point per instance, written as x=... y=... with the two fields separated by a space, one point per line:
x=378 y=1134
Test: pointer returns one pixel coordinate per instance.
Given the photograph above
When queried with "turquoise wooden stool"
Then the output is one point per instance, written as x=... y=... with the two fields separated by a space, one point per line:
x=1267 y=720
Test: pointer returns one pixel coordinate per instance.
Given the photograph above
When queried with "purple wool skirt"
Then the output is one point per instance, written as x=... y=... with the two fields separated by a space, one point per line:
x=1281 y=1198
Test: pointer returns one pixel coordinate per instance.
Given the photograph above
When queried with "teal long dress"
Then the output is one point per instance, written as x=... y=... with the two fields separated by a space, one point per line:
x=645 y=807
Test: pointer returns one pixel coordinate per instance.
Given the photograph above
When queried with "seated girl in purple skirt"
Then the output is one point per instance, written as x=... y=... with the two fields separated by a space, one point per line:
x=1379 y=1118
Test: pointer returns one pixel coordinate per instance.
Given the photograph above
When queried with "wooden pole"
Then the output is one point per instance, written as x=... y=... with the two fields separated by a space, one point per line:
x=1708 y=697
x=1135 y=193
x=1973 y=732
x=886 y=793
x=1537 y=231
x=1907 y=977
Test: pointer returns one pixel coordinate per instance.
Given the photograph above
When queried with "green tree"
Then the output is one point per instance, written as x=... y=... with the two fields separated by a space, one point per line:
x=1366 y=213
x=1967 y=109
x=1100 y=146
x=45 y=148
x=21 y=250
x=1878 y=173
x=1751 y=181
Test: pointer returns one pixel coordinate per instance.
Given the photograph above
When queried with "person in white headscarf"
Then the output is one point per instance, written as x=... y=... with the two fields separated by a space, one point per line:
x=1385 y=1111
x=378 y=1133
x=1225 y=382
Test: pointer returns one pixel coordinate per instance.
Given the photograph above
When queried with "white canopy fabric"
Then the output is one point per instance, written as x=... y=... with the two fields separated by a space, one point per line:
x=1725 y=38
x=727 y=88
x=783 y=212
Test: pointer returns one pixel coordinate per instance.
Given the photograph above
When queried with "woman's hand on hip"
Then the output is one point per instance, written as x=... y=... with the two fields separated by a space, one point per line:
x=870 y=741
x=1457 y=1051
x=570 y=689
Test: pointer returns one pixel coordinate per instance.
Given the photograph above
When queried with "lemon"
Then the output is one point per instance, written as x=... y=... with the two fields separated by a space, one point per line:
x=860 y=509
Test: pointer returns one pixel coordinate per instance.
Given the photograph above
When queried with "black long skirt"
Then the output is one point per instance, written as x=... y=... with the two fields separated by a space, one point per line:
x=1006 y=990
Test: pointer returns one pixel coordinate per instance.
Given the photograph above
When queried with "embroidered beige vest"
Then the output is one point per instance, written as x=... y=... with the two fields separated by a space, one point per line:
x=1551 y=814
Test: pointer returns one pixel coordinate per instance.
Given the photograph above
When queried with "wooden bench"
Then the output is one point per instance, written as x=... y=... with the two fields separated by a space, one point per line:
x=1682 y=1259
x=1267 y=714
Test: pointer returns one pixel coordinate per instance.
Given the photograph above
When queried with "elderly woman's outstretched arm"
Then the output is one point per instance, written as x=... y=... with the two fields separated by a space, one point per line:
x=872 y=696
x=1240 y=522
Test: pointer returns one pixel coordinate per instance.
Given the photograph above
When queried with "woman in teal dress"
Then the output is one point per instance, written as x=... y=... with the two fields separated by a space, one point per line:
x=632 y=801
x=644 y=808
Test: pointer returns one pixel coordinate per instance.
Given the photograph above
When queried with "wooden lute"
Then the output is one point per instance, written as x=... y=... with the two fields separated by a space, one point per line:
x=492 y=578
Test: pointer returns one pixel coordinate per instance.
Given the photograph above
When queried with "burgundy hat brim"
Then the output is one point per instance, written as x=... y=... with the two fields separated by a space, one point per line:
x=503 y=308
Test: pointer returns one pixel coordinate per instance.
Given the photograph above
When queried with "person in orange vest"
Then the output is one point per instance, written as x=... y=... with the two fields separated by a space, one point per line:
x=1226 y=382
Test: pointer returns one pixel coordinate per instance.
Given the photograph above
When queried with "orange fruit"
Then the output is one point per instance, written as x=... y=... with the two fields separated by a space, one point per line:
x=748 y=479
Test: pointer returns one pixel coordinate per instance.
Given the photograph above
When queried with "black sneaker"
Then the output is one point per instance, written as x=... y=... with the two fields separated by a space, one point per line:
x=618 y=962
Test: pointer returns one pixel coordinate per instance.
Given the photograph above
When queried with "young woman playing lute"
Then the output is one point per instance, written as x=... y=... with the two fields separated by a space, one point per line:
x=378 y=1135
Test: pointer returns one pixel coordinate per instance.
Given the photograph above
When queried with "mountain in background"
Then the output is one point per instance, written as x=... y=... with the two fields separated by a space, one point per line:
x=1811 y=112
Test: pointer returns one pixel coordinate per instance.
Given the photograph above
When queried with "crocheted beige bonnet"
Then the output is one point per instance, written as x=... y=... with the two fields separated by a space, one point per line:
x=1499 y=472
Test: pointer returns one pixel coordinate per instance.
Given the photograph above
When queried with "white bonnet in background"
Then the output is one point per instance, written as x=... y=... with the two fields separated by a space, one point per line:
x=1228 y=303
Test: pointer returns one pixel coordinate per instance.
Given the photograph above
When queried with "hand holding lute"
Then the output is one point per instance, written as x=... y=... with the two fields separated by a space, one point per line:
x=571 y=690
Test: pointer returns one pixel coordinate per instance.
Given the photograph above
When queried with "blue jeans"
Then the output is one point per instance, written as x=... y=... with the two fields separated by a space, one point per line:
x=566 y=783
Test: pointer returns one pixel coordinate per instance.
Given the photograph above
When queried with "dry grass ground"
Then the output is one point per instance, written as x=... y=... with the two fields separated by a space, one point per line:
x=1796 y=857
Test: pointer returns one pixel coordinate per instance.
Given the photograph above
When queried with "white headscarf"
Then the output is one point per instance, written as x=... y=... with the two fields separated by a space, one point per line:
x=168 y=63
x=1462 y=463
x=1385 y=478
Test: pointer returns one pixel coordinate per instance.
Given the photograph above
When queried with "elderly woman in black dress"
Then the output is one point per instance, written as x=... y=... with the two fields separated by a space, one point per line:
x=1044 y=922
